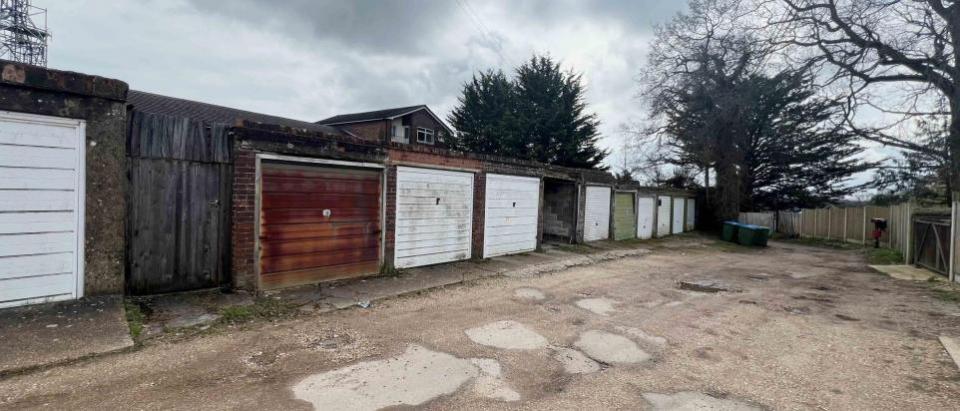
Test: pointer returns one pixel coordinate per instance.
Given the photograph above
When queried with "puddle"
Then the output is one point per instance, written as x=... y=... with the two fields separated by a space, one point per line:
x=643 y=336
x=528 y=293
x=695 y=401
x=574 y=362
x=413 y=378
x=610 y=348
x=600 y=306
x=509 y=335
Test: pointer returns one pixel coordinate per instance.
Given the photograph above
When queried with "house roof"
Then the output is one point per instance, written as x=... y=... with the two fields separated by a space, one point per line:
x=387 y=114
x=211 y=113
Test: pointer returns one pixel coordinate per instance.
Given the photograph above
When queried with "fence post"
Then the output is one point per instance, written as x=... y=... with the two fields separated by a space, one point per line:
x=954 y=222
x=908 y=220
x=864 y=230
x=845 y=215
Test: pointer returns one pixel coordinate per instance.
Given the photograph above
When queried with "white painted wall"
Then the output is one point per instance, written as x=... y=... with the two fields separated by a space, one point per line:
x=691 y=214
x=679 y=204
x=596 y=222
x=511 y=213
x=41 y=208
x=663 y=216
x=434 y=216
x=646 y=210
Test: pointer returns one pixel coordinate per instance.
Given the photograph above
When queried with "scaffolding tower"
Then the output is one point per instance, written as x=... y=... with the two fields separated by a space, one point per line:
x=21 y=39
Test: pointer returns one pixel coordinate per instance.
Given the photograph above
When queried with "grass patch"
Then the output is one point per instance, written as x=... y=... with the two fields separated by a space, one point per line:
x=950 y=296
x=135 y=318
x=820 y=242
x=884 y=256
x=262 y=308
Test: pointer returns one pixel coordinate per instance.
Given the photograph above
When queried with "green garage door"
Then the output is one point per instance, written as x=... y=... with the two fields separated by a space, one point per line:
x=624 y=216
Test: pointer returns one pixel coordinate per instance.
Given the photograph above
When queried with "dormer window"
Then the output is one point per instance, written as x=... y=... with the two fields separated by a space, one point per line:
x=424 y=135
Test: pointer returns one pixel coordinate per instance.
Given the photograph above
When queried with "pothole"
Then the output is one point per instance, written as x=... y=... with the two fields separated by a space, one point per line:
x=509 y=335
x=261 y=359
x=610 y=348
x=412 y=378
x=574 y=362
x=695 y=401
x=706 y=286
x=599 y=306
x=529 y=293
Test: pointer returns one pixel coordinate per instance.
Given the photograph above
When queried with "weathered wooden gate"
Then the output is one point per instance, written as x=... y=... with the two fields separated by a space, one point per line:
x=932 y=243
x=178 y=207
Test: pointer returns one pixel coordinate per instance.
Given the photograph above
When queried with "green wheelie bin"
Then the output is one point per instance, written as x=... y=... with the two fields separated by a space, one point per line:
x=753 y=235
x=730 y=229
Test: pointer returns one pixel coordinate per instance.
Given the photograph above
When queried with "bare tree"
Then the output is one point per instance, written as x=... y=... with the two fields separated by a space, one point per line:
x=877 y=49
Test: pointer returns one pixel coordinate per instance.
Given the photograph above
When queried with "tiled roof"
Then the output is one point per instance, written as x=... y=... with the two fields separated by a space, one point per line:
x=370 y=115
x=172 y=106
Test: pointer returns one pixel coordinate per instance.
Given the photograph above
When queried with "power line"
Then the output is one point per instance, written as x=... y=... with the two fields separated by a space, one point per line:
x=482 y=29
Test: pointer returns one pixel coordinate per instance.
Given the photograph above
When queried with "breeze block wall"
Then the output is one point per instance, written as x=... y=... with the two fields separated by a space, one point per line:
x=101 y=103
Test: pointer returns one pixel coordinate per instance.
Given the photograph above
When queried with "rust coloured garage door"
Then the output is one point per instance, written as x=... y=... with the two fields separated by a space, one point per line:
x=318 y=223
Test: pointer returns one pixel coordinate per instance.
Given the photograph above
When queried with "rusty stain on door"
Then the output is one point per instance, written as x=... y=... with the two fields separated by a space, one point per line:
x=318 y=223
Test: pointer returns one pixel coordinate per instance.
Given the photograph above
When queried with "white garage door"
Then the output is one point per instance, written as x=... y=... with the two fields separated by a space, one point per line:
x=645 y=213
x=691 y=214
x=510 y=215
x=679 y=204
x=434 y=216
x=596 y=222
x=41 y=203
x=663 y=216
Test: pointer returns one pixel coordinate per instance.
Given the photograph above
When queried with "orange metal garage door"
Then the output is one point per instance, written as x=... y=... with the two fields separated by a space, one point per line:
x=318 y=223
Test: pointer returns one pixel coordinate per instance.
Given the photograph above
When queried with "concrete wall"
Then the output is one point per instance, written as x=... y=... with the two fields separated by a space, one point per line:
x=101 y=102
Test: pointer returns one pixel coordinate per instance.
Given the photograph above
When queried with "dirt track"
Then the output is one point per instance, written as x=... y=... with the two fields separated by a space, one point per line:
x=810 y=329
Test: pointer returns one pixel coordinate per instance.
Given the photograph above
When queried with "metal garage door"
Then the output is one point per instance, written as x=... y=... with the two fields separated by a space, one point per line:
x=434 y=216
x=41 y=208
x=317 y=223
x=596 y=223
x=663 y=216
x=645 y=214
x=691 y=214
x=624 y=216
x=511 y=213
x=679 y=204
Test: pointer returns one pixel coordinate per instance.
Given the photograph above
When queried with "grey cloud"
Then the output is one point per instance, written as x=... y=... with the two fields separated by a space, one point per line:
x=385 y=27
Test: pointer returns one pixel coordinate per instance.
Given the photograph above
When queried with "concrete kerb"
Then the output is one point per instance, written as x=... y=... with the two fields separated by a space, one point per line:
x=325 y=303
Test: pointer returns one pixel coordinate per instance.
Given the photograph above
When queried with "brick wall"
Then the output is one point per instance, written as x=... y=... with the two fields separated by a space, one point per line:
x=370 y=131
x=243 y=233
x=248 y=142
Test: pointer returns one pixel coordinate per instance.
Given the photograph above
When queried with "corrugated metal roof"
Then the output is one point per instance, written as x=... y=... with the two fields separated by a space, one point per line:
x=212 y=113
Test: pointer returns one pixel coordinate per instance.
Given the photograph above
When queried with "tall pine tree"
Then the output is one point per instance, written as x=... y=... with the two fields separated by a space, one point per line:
x=541 y=115
x=551 y=110
x=485 y=120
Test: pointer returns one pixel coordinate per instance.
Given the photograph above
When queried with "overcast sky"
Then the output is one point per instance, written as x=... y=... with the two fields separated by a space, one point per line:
x=309 y=59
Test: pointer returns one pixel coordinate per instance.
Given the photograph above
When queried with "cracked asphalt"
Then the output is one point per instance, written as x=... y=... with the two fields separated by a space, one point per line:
x=807 y=328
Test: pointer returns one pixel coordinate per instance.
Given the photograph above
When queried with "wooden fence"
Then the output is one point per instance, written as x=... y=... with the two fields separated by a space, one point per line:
x=936 y=246
x=178 y=234
x=765 y=219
